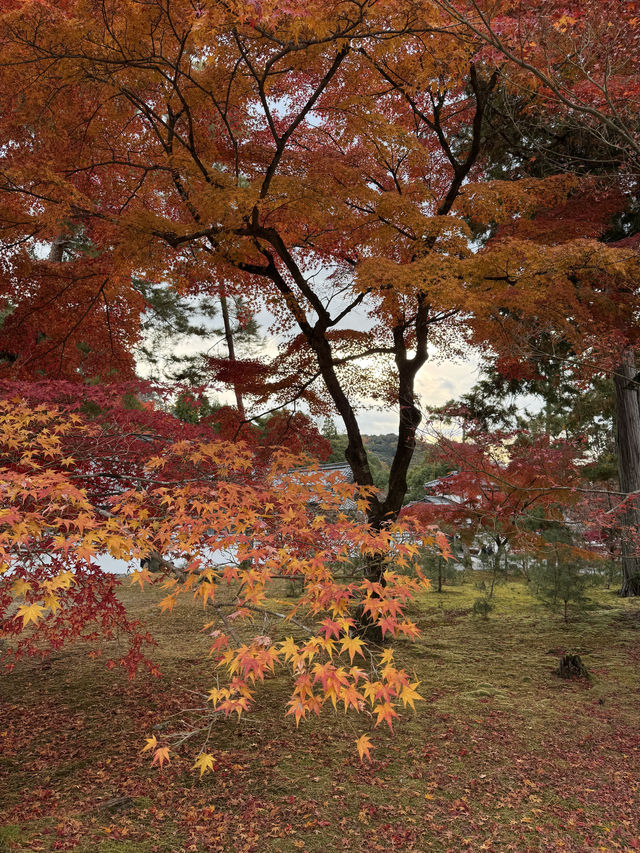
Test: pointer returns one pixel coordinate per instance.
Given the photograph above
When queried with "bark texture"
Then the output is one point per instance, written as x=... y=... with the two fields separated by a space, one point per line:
x=571 y=666
x=628 y=452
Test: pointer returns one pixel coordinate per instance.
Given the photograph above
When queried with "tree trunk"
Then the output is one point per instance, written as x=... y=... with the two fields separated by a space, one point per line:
x=628 y=453
x=56 y=252
x=466 y=558
x=231 y=349
x=496 y=567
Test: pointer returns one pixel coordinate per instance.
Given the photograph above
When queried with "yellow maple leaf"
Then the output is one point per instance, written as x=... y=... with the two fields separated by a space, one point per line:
x=155 y=462
x=563 y=23
x=352 y=645
x=364 y=745
x=151 y=743
x=386 y=656
x=167 y=603
x=409 y=695
x=204 y=763
x=61 y=581
x=288 y=648
x=116 y=545
x=205 y=591
x=20 y=586
x=52 y=602
x=30 y=613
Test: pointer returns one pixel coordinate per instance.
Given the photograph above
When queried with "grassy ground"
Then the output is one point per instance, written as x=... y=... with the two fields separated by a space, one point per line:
x=502 y=756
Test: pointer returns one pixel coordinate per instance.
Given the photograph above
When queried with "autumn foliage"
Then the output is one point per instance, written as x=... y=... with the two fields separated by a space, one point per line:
x=224 y=523
x=507 y=486
x=327 y=161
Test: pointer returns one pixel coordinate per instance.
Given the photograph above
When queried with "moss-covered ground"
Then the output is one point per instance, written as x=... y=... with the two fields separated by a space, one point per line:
x=501 y=756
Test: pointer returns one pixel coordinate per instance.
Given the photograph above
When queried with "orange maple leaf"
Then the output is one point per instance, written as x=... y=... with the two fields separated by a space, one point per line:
x=386 y=712
x=161 y=756
x=364 y=745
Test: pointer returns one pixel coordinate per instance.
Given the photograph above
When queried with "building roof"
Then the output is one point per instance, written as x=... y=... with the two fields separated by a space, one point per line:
x=334 y=470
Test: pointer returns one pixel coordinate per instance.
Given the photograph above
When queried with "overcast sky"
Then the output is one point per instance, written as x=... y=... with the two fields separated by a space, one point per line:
x=441 y=379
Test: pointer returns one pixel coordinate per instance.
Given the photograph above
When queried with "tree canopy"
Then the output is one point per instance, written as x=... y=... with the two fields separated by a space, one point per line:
x=334 y=163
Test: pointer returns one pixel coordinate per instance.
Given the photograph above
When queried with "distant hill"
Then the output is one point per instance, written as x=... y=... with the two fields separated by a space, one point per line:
x=379 y=468
x=381 y=449
x=384 y=447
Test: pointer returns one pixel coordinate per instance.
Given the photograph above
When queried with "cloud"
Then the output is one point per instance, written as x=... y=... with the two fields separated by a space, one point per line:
x=439 y=381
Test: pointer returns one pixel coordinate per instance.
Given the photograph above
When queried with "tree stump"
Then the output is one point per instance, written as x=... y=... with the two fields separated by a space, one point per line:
x=571 y=666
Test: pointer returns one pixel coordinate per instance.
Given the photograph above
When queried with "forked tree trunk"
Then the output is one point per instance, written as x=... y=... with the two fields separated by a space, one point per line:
x=628 y=453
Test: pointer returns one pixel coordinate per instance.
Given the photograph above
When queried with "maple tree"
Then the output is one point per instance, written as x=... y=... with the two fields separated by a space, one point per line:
x=324 y=160
x=503 y=480
x=573 y=104
x=578 y=58
x=576 y=406
x=134 y=482
x=254 y=157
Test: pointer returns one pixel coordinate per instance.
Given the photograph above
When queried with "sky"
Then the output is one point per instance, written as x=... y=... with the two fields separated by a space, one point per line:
x=440 y=380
